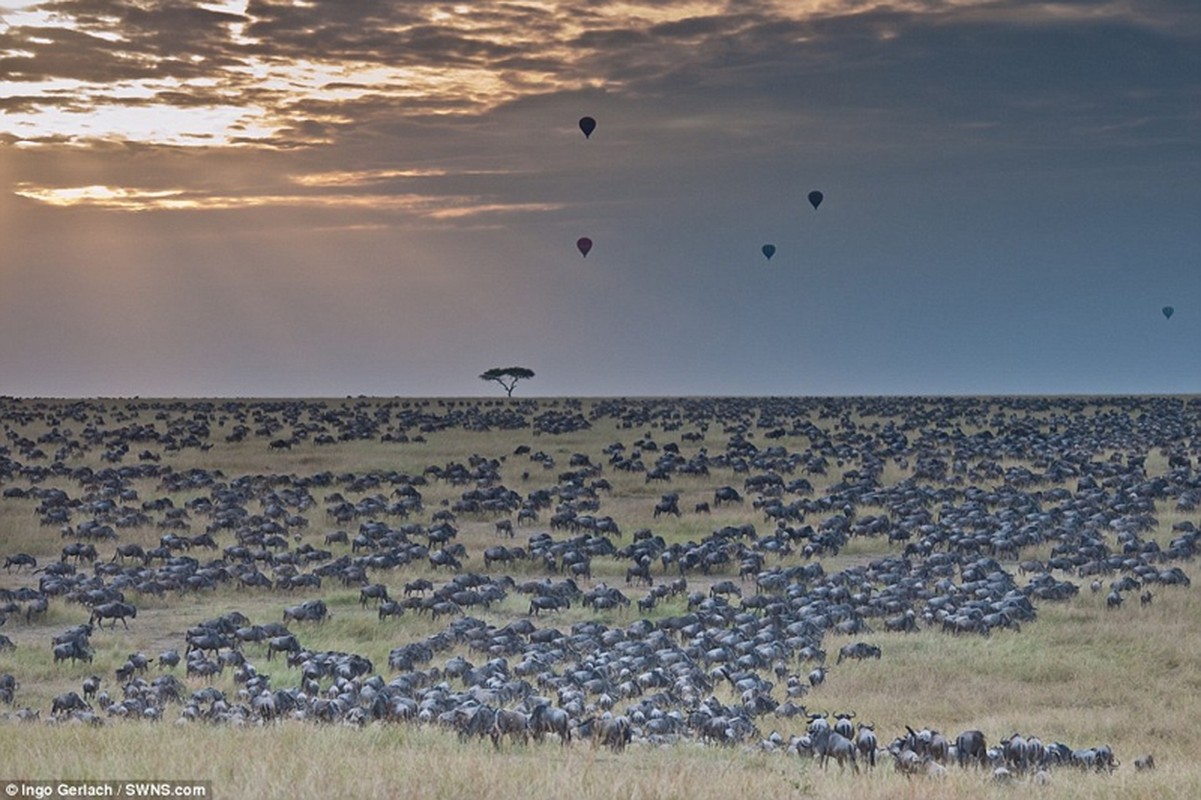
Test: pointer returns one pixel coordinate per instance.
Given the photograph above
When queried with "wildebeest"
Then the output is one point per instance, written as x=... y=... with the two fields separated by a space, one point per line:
x=866 y=743
x=444 y=558
x=114 y=611
x=858 y=650
x=72 y=650
x=129 y=550
x=390 y=608
x=818 y=676
x=502 y=554
x=546 y=719
x=19 y=560
x=282 y=644
x=308 y=611
x=65 y=703
x=612 y=732
x=38 y=605
x=828 y=743
x=726 y=494
x=418 y=586
x=970 y=746
x=79 y=551
x=668 y=504
x=375 y=591
x=8 y=688
x=546 y=603
x=511 y=723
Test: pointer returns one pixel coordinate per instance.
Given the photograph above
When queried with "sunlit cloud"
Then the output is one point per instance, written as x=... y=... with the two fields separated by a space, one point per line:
x=437 y=207
x=100 y=196
x=363 y=177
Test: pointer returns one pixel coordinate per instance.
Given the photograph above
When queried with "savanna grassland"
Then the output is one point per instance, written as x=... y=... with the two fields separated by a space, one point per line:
x=1015 y=480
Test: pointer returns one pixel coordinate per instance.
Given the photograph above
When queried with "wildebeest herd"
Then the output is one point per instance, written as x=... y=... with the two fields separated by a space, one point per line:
x=716 y=637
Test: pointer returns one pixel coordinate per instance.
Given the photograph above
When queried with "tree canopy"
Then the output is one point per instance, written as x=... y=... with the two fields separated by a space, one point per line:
x=508 y=376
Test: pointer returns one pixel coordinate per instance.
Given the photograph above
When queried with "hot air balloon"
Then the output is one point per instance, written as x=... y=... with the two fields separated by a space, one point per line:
x=587 y=125
x=1168 y=311
x=769 y=250
x=815 y=198
x=584 y=244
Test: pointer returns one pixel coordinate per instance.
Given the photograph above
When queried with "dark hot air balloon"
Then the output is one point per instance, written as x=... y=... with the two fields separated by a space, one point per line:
x=815 y=198
x=769 y=250
x=587 y=125
x=1168 y=311
x=584 y=244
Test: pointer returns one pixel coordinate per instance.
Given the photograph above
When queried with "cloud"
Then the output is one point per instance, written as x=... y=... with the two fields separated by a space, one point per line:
x=286 y=75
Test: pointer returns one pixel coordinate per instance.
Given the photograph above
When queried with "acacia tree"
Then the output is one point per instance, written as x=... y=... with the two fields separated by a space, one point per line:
x=508 y=376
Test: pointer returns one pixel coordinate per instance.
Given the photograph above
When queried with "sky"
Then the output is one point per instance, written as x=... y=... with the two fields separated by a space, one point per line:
x=345 y=197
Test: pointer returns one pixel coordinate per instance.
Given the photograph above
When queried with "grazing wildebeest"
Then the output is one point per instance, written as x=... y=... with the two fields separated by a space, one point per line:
x=68 y=702
x=418 y=586
x=858 y=650
x=444 y=558
x=114 y=611
x=726 y=494
x=308 y=611
x=390 y=608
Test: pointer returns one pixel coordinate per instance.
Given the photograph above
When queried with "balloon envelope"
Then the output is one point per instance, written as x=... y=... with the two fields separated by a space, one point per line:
x=769 y=250
x=1168 y=311
x=815 y=198
x=584 y=244
x=587 y=125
